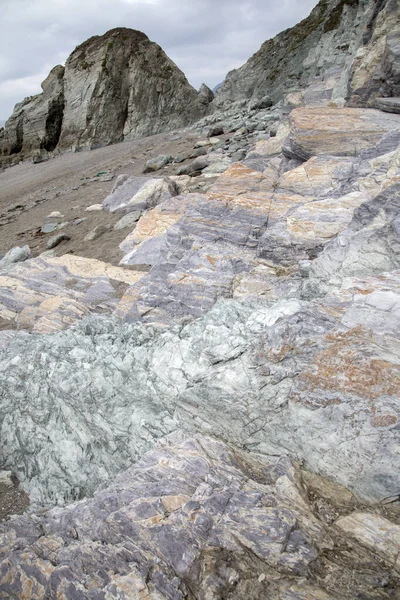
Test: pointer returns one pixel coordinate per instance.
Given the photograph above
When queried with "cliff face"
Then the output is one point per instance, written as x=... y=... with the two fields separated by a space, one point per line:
x=339 y=52
x=36 y=121
x=122 y=86
x=114 y=87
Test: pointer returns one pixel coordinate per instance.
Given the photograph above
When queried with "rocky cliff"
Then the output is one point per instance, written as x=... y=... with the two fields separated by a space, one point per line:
x=113 y=87
x=345 y=50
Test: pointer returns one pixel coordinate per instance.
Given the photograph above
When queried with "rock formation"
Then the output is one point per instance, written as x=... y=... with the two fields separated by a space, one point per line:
x=217 y=416
x=114 y=87
x=345 y=50
x=197 y=519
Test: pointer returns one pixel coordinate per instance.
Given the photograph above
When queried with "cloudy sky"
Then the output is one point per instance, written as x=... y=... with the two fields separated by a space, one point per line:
x=205 y=38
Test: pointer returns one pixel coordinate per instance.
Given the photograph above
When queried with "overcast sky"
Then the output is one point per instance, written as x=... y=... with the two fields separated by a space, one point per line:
x=205 y=38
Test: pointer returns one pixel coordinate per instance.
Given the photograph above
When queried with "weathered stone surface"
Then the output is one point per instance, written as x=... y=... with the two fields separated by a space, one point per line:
x=183 y=378
x=340 y=132
x=388 y=104
x=97 y=232
x=56 y=240
x=376 y=533
x=15 y=255
x=375 y=71
x=320 y=50
x=47 y=294
x=194 y=514
x=155 y=164
x=138 y=193
x=128 y=220
x=99 y=97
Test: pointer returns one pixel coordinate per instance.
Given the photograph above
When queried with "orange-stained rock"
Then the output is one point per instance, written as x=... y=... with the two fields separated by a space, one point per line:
x=338 y=131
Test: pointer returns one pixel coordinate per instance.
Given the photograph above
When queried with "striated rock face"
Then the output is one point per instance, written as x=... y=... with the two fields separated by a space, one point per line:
x=36 y=122
x=345 y=49
x=114 y=87
x=197 y=519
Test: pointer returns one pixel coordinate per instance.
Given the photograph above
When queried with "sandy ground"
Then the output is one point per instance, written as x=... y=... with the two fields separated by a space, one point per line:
x=69 y=183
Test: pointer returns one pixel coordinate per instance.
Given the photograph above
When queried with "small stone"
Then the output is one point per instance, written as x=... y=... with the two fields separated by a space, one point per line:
x=79 y=221
x=155 y=164
x=202 y=143
x=94 y=207
x=49 y=228
x=180 y=158
x=198 y=152
x=96 y=233
x=55 y=215
x=57 y=239
x=6 y=478
x=262 y=578
x=15 y=255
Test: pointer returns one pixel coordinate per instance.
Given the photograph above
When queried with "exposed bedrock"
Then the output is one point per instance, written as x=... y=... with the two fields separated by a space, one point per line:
x=346 y=50
x=197 y=519
x=294 y=278
x=114 y=87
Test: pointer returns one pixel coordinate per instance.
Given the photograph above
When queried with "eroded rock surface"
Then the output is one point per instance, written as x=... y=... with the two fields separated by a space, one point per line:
x=345 y=50
x=114 y=87
x=195 y=518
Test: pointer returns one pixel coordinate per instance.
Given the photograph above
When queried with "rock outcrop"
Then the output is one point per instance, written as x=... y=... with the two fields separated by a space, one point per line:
x=345 y=50
x=219 y=412
x=114 y=87
x=197 y=519
x=307 y=261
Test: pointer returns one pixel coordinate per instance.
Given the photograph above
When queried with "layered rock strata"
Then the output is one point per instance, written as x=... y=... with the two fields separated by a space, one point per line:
x=114 y=87
x=345 y=50
x=300 y=358
x=195 y=518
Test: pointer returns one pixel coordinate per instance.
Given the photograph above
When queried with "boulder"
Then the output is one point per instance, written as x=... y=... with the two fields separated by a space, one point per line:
x=138 y=193
x=97 y=232
x=155 y=164
x=15 y=255
x=56 y=240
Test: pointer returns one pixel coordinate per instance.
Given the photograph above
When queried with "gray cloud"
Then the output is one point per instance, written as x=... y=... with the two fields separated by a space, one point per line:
x=205 y=38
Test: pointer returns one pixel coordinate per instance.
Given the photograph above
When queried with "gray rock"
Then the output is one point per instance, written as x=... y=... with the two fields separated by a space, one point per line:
x=123 y=60
x=131 y=194
x=195 y=166
x=342 y=48
x=258 y=104
x=15 y=255
x=205 y=94
x=96 y=233
x=388 y=104
x=239 y=155
x=196 y=514
x=155 y=164
x=198 y=152
x=128 y=220
x=57 y=239
x=49 y=227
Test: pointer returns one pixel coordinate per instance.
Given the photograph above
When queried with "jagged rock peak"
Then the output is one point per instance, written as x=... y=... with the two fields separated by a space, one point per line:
x=116 y=86
x=344 y=46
